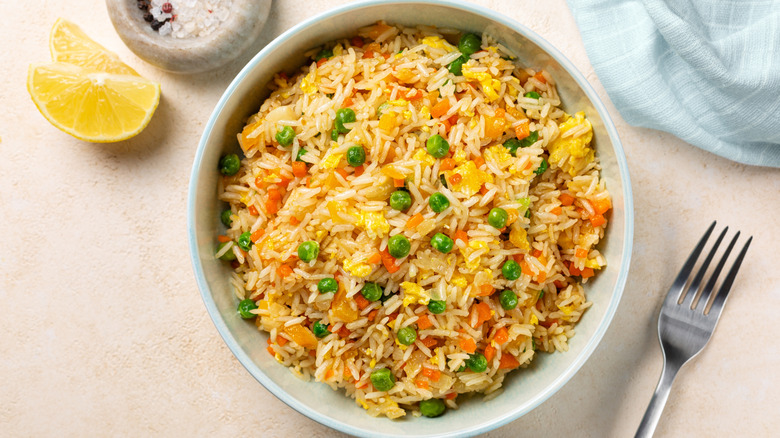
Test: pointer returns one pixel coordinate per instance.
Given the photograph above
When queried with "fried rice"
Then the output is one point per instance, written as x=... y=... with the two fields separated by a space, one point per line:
x=401 y=85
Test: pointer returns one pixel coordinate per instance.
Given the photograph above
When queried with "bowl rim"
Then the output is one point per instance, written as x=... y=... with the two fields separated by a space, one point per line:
x=628 y=221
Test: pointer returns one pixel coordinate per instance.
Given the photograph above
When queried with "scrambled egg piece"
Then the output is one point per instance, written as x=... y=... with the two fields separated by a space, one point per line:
x=567 y=310
x=424 y=157
x=357 y=268
x=490 y=86
x=363 y=403
x=307 y=83
x=372 y=364
x=592 y=263
x=472 y=180
x=399 y=102
x=414 y=293
x=338 y=50
x=331 y=160
x=577 y=148
x=473 y=246
x=438 y=43
x=425 y=113
x=336 y=207
x=374 y=223
x=519 y=238
x=434 y=360
x=534 y=319
x=460 y=281
x=498 y=154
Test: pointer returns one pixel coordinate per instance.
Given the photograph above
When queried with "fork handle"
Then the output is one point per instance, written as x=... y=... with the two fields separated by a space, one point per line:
x=657 y=403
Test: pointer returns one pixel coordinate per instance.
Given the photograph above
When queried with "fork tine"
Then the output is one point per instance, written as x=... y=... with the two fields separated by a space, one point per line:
x=705 y=294
x=694 y=286
x=725 y=288
x=679 y=283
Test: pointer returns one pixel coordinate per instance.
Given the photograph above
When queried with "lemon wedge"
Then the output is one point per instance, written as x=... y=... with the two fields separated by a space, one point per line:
x=68 y=43
x=93 y=106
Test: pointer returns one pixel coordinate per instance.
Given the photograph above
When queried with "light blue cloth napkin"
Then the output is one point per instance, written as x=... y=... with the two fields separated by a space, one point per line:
x=707 y=71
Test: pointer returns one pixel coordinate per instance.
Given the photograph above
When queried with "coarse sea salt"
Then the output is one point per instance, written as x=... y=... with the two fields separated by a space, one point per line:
x=193 y=18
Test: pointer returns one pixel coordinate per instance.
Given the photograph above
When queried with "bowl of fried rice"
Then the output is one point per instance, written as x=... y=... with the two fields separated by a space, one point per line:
x=407 y=227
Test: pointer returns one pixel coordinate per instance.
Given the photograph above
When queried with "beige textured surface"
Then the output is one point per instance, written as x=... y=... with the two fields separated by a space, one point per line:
x=104 y=333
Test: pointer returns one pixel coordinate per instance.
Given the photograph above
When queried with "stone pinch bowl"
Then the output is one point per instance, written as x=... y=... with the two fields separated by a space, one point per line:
x=524 y=389
x=191 y=55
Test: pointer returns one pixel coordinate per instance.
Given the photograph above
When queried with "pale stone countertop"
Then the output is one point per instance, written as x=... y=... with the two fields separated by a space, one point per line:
x=104 y=332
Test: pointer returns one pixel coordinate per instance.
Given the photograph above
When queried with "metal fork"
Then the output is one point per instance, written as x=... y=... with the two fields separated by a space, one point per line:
x=685 y=325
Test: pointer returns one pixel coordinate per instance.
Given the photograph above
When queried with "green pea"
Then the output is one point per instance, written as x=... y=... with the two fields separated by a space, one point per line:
x=334 y=135
x=328 y=285
x=512 y=145
x=442 y=243
x=229 y=255
x=301 y=153
x=245 y=241
x=245 y=307
x=469 y=44
x=437 y=146
x=225 y=218
x=382 y=379
x=407 y=335
x=398 y=246
x=542 y=167
x=498 y=217
x=477 y=362
x=319 y=329
x=308 y=251
x=229 y=164
x=344 y=115
x=437 y=307
x=511 y=270
x=456 y=66
x=432 y=407
x=438 y=202
x=324 y=53
x=532 y=95
x=285 y=136
x=508 y=300
x=532 y=138
x=356 y=156
x=372 y=291
x=400 y=200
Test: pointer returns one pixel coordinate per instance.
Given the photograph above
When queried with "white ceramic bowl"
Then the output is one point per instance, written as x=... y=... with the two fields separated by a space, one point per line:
x=524 y=389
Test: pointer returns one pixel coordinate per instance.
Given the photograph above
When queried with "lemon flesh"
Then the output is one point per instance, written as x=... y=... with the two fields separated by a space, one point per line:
x=68 y=43
x=93 y=106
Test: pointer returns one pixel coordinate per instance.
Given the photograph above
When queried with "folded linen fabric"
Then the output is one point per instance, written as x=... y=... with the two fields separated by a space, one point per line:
x=705 y=71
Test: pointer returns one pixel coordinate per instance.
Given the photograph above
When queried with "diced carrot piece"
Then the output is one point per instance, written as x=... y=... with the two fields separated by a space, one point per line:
x=257 y=235
x=274 y=194
x=556 y=210
x=342 y=172
x=429 y=341
x=597 y=221
x=299 y=169
x=361 y=301
x=356 y=41
x=368 y=54
x=389 y=262
x=456 y=178
x=501 y=336
x=431 y=373
x=359 y=170
x=486 y=290
x=548 y=323
x=372 y=314
x=253 y=210
x=347 y=101
x=259 y=183
x=566 y=199
x=468 y=345
x=375 y=259
x=559 y=284
x=398 y=182
x=587 y=273
x=223 y=239
x=451 y=395
x=490 y=353
x=294 y=220
x=447 y=164
x=581 y=253
x=479 y=161
x=329 y=374
x=522 y=130
x=423 y=322
x=483 y=190
x=271 y=206
x=321 y=61
x=344 y=332
x=601 y=206
x=518 y=258
x=421 y=384
x=482 y=310
x=462 y=235
x=540 y=77
x=313 y=353
x=271 y=351
x=513 y=215
x=281 y=341
x=507 y=362
x=284 y=271
x=536 y=253
x=440 y=108
x=573 y=270
x=414 y=221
